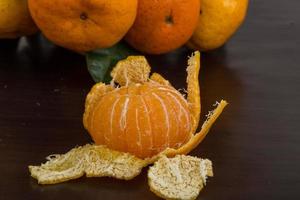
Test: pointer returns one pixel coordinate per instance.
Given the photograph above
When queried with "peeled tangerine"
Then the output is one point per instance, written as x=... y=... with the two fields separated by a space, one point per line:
x=144 y=116
x=141 y=121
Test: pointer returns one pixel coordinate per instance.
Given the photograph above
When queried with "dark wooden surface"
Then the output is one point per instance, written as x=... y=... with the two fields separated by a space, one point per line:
x=255 y=145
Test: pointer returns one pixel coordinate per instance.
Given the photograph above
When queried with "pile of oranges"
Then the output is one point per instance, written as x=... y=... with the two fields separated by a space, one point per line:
x=152 y=27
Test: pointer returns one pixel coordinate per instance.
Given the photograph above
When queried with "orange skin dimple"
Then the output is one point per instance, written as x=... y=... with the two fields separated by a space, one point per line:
x=83 y=25
x=142 y=119
x=162 y=26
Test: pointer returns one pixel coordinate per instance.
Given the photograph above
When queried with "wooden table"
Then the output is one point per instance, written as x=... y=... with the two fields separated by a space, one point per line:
x=255 y=145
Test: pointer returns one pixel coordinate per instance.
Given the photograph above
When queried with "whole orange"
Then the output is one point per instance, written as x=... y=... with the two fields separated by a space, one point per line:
x=218 y=21
x=84 y=25
x=163 y=25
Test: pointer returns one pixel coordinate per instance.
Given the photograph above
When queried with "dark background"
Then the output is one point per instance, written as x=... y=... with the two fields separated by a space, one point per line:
x=254 y=145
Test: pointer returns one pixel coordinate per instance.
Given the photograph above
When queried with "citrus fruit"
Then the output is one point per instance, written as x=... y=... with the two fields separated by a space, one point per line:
x=145 y=116
x=83 y=25
x=15 y=19
x=218 y=21
x=141 y=119
x=162 y=26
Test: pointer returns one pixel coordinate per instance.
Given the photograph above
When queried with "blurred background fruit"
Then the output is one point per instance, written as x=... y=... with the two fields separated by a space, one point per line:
x=162 y=26
x=84 y=25
x=15 y=19
x=218 y=21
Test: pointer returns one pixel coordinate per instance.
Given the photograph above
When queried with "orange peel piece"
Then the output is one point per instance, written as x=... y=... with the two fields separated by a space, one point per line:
x=193 y=88
x=96 y=93
x=181 y=177
x=133 y=69
x=92 y=160
x=156 y=77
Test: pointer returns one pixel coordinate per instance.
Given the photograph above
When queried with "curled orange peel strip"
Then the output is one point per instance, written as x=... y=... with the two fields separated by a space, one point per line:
x=197 y=138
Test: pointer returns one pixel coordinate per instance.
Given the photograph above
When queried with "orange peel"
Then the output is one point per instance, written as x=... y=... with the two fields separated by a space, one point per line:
x=181 y=177
x=193 y=89
x=92 y=160
x=159 y=79
x=132 y=70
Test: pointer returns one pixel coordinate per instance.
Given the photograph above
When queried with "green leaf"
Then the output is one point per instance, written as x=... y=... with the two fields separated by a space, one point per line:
x=101 y=61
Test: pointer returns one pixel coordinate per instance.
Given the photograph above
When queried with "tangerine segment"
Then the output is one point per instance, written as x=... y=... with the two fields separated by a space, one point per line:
x=120 y=122
x=145 y=127
x=93 y=97
x=193 y=88
x=159 y=117
x=92 y=160
x=133 y=69
x=134 y=129
x=175 y=139
x=181 y=115
x=101 y=118
x=138 y=124
x=197 y=138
